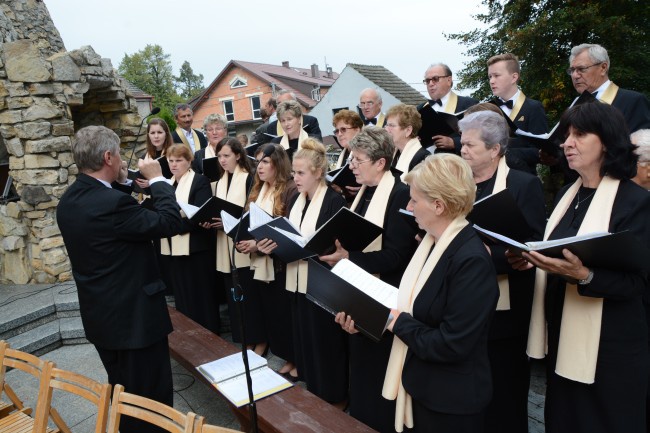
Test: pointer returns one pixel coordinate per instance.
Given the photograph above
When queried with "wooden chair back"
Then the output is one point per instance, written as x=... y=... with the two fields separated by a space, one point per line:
x=148 y=410
x=96 y=393
x=208 y=428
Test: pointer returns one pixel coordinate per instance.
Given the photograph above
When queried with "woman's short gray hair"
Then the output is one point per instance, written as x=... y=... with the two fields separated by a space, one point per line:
x=375 y=142
x=492 y=126
x=219 y=119
x=641 y=138
x=89 y=146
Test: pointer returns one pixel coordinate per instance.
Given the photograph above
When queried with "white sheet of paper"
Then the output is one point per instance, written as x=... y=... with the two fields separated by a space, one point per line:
x=367 y=283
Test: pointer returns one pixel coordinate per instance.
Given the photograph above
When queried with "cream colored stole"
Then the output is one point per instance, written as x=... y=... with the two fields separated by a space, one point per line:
x=237 y=195
x=180 y=244
x=577 y=352
x=406 y=156
x=416 y=274
x=209 y=153
x=452 y=103
x=297 y=271
x=279 y=131
x=517 y=106
x=377 y=207
x=261 y=264
x=609 y=94
x=341 y=161
x=197 y=143
x=502 y=279
x=380 y=120
x=302 y=137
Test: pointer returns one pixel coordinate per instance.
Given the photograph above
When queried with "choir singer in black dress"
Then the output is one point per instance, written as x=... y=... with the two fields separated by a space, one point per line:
x=592 y=319
x=379 y=200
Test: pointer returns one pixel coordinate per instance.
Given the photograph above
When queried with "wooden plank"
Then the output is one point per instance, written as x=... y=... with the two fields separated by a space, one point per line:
x=289 y=411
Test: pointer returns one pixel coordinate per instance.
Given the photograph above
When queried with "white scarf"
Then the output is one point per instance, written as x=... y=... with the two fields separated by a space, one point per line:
x=297 y=271
x=502 y=279
x=378 y=205
x=577 y=351
x=235 y=194
x=302 y=137
x=415 y=276
x=406 y=156
x=180 y=244
x=262 y=264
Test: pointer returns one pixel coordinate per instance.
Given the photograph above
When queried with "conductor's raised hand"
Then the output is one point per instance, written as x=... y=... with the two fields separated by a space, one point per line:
x=149 y=168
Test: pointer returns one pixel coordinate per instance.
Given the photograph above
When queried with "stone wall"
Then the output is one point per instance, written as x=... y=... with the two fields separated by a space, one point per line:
x=46 y=94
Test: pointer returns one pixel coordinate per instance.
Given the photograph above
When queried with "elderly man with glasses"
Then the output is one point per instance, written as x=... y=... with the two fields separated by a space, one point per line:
x=589 y=71
x=438 y=79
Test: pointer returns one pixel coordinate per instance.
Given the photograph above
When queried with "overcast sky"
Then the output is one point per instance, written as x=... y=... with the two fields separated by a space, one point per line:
x=404 y=38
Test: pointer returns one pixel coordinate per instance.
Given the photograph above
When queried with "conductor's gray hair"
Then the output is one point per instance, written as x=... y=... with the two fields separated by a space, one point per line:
x=89 y=146
x=642 y=139
x=492 y=126
x=596 y=52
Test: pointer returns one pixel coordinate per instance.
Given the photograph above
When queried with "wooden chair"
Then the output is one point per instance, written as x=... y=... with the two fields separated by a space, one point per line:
x=14 y=402
x=97 y=393
x=19 y=420
x=207 y=428
x=150 y=411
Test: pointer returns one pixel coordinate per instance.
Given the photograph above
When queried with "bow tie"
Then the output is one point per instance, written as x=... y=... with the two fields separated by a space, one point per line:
x=432 y=102
x=373 y=121
x=507 y=103
x=595 y=94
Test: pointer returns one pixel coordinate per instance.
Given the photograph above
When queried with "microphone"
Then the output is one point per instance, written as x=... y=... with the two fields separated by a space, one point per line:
x=155 y=110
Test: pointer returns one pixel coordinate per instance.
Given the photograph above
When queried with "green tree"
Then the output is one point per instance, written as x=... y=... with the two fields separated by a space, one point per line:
x=150 y=69
x=188 y=83
x=542 y=32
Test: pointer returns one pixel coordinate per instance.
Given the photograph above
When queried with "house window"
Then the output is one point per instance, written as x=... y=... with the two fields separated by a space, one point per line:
x=315 y=93
x=238 y=81
x=256 y=104
x=229 y=111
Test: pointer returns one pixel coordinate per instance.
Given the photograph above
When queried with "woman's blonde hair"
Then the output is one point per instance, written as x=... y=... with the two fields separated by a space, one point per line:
x=314 y=152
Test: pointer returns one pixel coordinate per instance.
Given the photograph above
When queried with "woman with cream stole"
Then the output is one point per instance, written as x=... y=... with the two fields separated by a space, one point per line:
x=590 y=321
x=379 y=200
x=290 y=118
x=192 y=254
x=403 y=122
x=272 y=191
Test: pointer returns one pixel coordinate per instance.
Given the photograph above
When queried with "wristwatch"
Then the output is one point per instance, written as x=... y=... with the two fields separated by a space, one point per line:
x=588 y=279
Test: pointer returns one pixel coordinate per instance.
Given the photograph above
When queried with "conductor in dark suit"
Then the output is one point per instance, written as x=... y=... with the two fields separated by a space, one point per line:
x=108 y=236
x=309 y=123
x=193 y=138
x=439 y=81
x=589 y=71
x=526 y=113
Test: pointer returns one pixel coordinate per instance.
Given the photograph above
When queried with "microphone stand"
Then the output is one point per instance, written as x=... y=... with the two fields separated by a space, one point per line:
x=237 y=293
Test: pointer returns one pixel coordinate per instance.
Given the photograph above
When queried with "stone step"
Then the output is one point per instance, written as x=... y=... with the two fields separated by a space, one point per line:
x=72 y=331
x=24 y=308
x=38 y=340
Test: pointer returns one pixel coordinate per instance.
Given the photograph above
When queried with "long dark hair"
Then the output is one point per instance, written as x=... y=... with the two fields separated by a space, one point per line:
x=236 y=148
x=609 y=125
x=151 y=149
x=282 y=165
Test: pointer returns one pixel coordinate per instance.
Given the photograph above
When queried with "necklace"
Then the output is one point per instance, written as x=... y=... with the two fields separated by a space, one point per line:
x=580 y=201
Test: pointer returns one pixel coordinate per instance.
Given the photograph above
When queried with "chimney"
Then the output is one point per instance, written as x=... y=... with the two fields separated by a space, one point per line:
x=329 y=72
x=314 y=71
x=285 y=64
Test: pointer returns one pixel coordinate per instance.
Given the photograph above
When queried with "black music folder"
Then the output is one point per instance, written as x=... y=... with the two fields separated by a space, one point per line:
x=231 y=226
x=500 y=213
x=212 y=209
x=620 y=251
x=335 y=294
x=342 y=177
x=436 y=123
x=212 y=168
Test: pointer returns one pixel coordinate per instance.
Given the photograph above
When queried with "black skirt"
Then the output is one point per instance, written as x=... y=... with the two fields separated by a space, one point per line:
x=276 y=308
x=252 y=304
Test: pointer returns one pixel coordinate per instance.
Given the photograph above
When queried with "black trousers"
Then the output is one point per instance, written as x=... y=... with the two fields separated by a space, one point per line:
x=146 y=372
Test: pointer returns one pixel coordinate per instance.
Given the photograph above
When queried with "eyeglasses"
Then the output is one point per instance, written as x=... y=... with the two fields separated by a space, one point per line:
x=215 y=129
x=366 y=104
x=390 y=125
x=343 y=130
x=435 y=79
x=581 y=69
x=356 y=162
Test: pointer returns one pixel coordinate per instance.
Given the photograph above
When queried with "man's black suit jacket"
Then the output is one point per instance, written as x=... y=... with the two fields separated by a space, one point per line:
x=108 y=236
x=635 y=108
x=524 y=155
x=464 y=102
x=203 y=142
x=447 y=368
x=309 y=124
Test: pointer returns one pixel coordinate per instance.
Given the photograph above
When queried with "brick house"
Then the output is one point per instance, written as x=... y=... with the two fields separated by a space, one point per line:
x=242 y=88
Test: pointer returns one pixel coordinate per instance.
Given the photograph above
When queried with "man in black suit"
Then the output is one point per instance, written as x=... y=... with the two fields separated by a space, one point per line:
x=438 y=79
x=193 y=138
x=589 y=71
x=108 y=236
x=527 y=114
x=370 y=103
x=309 y=123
